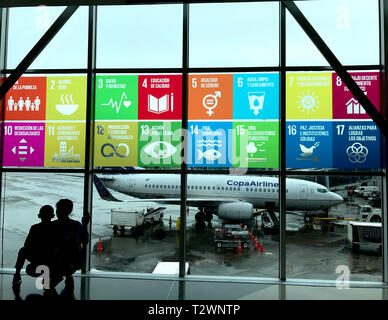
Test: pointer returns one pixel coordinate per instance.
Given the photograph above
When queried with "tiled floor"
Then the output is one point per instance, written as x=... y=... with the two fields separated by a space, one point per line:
x=100 y=288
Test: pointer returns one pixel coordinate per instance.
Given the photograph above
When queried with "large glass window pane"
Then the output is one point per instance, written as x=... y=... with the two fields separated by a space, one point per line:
x=23 y=196
x=334 y=238
x=68 y=49
x=141 y=232
x=139 y=36
x=350 y=29
x=234 y=35
x=230 y=233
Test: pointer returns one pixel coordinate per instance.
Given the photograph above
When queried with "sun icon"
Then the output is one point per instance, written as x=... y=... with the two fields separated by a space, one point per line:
x=308 y=102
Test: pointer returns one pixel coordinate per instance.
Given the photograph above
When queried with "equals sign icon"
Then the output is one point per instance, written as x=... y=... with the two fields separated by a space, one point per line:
x=22 y=150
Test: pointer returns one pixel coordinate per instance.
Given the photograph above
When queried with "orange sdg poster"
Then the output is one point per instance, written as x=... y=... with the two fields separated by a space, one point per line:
x=26 y=100
x=211 y=97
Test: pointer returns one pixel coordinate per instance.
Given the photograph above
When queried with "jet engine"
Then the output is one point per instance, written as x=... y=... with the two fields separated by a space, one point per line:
x=235 y=211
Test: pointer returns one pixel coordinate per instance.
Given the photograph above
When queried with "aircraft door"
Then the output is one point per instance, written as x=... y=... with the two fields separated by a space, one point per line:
x=132 y=185
x=303 y=192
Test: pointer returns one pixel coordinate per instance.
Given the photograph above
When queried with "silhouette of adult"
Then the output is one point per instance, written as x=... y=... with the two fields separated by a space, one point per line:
x=69 y=237
x=37 y=246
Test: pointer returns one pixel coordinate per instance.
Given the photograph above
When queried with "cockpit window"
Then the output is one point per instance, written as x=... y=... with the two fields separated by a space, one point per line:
x=322 y=190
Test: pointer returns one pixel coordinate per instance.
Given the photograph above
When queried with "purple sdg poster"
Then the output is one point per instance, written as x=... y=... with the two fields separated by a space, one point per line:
x=23 y=144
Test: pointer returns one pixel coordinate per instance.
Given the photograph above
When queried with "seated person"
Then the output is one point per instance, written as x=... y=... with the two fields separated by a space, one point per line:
x=69 y=237
x=37 y=245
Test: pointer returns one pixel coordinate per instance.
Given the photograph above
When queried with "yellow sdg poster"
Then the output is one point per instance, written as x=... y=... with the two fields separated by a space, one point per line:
x=66 y=98
x=115 y=144
x=65 y=144
x=309 y=96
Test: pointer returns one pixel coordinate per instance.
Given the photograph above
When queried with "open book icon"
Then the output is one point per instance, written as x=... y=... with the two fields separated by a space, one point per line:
x=160 y=105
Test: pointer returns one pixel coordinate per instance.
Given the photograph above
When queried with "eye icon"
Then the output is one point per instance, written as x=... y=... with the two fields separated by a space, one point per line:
x=160 y=149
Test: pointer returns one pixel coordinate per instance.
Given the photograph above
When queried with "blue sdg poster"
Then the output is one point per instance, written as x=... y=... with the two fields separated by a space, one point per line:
x=256 y=96
x=357 y=145
x=309 y=144
x=208 y=144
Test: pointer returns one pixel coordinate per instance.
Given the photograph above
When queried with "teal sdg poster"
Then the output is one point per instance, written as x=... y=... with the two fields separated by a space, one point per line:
x=256 y=96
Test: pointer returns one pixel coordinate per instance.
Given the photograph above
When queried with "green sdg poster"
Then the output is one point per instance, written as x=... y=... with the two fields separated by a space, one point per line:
x=115 y=144
x=256 y=144
x=159 y=144
x=116 y=97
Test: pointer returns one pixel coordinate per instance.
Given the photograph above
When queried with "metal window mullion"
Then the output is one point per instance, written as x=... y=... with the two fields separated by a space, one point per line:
x=282 y=177
x=3 y=63
x=185 y=65
x=89 y=130
x=383 y=96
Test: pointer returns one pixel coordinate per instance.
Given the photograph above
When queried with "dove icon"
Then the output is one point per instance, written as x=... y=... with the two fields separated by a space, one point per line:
x=308 y=151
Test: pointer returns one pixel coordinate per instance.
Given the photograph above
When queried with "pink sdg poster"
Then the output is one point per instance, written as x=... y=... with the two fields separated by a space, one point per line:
x=23 y=144
x=345 y=106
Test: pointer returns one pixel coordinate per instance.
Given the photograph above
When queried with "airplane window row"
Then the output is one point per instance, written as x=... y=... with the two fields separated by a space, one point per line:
x=192 y=187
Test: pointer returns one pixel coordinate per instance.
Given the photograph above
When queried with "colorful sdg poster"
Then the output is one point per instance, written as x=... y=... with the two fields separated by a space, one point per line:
x=23 y=144
x=159 y=143
x=116 y=97
x=65 y=144
x=309 y=144
x=256 y=96
x=66 y=98
x=115 y=144
x=357 y=145
x=256 y=144
x=209 y=144
x=309 y=96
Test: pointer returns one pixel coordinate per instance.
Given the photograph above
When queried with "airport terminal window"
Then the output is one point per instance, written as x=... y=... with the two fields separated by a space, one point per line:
x=67 y=50
x=233 y=123
x=340 y=230
x=150 y=36
x=251 y=40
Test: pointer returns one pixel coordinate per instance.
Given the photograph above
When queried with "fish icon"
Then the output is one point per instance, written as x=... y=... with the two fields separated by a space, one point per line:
x=210 y=155
x=160 y=149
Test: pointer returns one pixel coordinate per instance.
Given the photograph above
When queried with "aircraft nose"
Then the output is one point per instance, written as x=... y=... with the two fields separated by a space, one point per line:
x=337 y=198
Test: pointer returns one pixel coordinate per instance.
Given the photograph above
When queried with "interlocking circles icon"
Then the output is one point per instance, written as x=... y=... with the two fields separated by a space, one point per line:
x=357 y=153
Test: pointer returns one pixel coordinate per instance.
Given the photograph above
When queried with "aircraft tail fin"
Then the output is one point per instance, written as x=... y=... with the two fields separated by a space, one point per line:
x=103 y=191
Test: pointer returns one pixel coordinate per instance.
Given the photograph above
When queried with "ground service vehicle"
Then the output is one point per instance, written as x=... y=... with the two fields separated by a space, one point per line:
x=231 y=235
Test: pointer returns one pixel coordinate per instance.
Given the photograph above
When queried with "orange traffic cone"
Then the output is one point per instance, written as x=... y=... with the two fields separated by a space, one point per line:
x=261 y=247
x=99 y=249
x=239 y=246
x=257 y=243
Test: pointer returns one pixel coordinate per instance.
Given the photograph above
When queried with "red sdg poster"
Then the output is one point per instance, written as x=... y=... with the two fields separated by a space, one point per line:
x=345 y=106
x=26 y=100
x=160 y=97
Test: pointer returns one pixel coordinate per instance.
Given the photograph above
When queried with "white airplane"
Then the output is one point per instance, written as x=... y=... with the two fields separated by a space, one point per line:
x=229 y=197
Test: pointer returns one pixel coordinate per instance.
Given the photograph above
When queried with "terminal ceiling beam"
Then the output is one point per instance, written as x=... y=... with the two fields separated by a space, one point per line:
x=336 y=65
x=36 y=50
x=34 y=3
